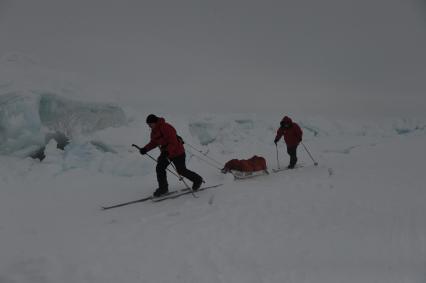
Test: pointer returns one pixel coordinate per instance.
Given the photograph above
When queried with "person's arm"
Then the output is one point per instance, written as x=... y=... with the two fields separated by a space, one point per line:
x=149 y=146
x=157 y=139
x=278 y=135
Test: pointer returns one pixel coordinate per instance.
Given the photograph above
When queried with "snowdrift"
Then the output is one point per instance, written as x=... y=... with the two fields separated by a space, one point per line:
x=27 y=120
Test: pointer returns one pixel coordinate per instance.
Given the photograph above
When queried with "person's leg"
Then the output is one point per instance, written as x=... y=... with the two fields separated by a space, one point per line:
x=293 y=156
x=180 y=165
x=162 y=163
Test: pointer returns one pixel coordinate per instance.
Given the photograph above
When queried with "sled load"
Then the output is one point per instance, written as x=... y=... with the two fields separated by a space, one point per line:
x=246 y=168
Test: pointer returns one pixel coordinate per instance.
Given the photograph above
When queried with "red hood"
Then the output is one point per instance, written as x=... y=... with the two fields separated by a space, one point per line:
x=287 y=120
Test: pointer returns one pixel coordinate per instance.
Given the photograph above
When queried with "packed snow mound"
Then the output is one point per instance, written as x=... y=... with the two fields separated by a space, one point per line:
x=68 y=116
x=28 y=118
x=20 y=124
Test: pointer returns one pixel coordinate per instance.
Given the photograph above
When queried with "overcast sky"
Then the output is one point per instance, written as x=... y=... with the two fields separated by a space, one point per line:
x=283 y=51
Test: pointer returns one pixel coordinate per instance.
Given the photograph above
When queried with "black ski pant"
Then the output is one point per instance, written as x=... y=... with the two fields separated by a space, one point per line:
x=179 y=162
x=292 y=151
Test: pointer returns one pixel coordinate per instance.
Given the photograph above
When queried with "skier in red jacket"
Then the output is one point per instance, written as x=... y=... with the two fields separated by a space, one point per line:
x=292 y=136
x=164 y=136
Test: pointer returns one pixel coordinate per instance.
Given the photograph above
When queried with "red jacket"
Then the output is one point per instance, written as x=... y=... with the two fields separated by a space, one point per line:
x=292 y=135
x=164 y=136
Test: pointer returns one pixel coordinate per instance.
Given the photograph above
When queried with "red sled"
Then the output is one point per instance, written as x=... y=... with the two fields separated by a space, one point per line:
x=246 y=168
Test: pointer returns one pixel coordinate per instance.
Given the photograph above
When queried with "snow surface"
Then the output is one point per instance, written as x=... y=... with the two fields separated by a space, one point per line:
x=357 y=217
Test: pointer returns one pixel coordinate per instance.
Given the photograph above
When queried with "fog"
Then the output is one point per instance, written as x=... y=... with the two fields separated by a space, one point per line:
x=233 y=55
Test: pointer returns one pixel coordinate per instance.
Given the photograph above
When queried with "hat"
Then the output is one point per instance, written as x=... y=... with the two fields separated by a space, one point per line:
x=151 y=119
x=286 y=121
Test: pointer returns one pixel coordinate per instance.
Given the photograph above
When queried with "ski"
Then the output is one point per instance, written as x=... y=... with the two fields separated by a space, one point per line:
x=127 y=203
x=171 y=194
x=138 y=200
x=182 y=192
x=286 y=168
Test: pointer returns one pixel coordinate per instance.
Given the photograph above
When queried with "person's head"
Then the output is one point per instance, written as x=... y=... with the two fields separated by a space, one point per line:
x=286 y=122
x=151 y=120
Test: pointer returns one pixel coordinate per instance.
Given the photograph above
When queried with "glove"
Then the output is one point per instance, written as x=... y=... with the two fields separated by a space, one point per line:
x=275 y=142
x=143 y=151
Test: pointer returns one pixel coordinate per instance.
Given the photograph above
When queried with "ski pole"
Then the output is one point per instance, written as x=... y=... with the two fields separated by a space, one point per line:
x=181 y=179
x=176 y=174
x=278 y=161
x=315 y=163
x=155 y=160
